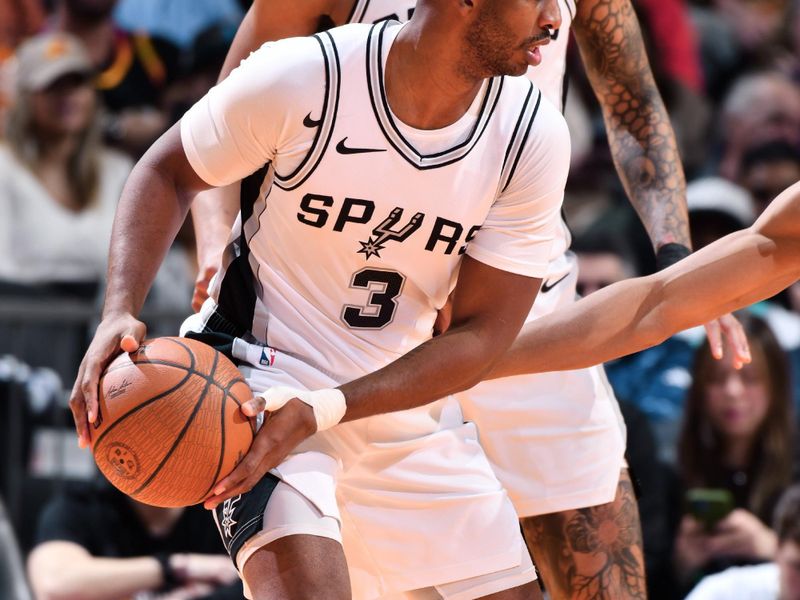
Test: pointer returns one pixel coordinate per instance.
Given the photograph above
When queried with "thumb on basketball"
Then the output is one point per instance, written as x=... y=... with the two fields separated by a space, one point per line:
x=270 y=400
x=133 y=338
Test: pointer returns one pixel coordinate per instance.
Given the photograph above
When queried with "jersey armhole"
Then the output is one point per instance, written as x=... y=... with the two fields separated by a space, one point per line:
x=324 y=125
x=519 y=137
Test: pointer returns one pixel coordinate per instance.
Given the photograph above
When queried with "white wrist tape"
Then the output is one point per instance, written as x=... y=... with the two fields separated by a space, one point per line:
x=328 y=405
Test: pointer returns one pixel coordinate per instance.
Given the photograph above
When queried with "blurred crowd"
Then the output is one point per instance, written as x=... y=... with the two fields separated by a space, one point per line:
x=87 y=85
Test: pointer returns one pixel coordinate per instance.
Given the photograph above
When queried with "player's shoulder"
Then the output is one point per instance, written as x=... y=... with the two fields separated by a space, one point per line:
x=539 y=152
x=546 y=125
x=355 y=36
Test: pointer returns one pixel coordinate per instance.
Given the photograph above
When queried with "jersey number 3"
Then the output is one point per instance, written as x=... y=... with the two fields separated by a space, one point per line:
x=384 y=287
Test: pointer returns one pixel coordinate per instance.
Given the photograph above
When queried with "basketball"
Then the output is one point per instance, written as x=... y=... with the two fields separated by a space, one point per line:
x=169 y=425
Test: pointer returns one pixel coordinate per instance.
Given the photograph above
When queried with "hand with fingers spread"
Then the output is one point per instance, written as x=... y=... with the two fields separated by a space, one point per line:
x=727 y=328
x=115 y=334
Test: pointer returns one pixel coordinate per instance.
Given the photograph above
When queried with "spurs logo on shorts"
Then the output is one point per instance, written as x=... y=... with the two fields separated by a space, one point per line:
x=228 y=522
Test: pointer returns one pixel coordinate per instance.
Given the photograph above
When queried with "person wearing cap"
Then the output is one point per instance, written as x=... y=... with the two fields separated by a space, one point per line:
x=58 y=184
x=717 y=207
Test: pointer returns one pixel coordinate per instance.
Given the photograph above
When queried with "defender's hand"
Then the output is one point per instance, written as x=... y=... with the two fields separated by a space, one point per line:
x=114 y=334
x=216 y=569
x=728 y=326
x=201 y=284
x=282 y=431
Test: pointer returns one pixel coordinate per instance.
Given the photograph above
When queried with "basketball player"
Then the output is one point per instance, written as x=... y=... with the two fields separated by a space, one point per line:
x=562 y=487
x=377 y=162
x=733 y=272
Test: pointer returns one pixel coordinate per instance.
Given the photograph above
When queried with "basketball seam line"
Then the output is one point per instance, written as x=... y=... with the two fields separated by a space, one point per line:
x=181 y=435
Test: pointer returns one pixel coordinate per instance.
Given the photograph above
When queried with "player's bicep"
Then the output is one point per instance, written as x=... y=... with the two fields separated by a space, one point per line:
x=518 y=233
x=271 y=20
x=278 y=19
x=246 y=120
x=492 y=300
x=168 y=157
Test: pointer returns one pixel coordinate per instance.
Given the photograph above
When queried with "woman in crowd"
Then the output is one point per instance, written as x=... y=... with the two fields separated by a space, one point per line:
x=738 y=437
x=58 y=184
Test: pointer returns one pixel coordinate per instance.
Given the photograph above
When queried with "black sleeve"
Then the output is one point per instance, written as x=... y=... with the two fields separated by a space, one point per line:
x=64 y=518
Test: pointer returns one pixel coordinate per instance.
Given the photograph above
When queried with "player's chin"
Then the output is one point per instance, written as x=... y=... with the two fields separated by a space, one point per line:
x=516 y=67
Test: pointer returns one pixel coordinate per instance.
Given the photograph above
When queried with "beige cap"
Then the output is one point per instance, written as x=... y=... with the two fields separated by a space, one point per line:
x=45 y=57
x=716 y=194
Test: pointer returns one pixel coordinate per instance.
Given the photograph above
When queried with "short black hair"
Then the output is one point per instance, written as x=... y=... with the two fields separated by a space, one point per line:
x=787 y=516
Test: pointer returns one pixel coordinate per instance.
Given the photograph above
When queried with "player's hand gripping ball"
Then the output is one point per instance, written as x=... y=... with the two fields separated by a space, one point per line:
x=169 y=425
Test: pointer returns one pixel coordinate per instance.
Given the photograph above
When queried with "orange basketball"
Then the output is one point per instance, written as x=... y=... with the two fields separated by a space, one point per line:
x=169 y=426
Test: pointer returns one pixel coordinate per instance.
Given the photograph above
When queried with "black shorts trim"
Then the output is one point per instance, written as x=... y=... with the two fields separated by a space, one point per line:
x=239 y=519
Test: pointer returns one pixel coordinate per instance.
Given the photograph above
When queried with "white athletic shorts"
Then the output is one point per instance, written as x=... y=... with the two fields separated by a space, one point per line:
x=555 y=440
x=411 y=494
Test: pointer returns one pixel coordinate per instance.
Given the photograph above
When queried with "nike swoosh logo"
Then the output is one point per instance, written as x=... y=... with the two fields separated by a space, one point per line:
x=311 y=123
x=342 y=149
x=547 y=286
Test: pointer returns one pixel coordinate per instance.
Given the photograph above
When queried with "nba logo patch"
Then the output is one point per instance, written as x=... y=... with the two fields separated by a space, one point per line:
x=267 y=357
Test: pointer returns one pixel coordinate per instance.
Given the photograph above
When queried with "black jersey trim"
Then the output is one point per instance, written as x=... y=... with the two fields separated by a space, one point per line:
x=387 y=125
x=510 y=177
x=512 y=140
x=237 y=297
x=572 y=9
x=359 y=7
x=330 y=107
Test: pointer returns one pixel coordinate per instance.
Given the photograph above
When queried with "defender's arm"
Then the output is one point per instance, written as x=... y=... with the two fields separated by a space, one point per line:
x=735 y=271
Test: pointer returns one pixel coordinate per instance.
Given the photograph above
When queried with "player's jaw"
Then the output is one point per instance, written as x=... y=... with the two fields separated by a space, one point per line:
x=504 y=39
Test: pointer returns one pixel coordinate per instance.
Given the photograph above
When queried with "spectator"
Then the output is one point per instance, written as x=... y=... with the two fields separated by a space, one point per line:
x=761 y=107
x=58 y=185
x=179 y=21
x=739 y=36
x=116 y=547
x=18 y=20
x=737 y=435
x=656 y=380
x=133 y=71
x=766 y=168
x=779 y=580
x=717 y=207
x=603 y=259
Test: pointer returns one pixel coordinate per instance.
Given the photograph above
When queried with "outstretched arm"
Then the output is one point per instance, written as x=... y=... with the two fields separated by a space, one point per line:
x=735 y=271
x=640 y=135
x=639 y=131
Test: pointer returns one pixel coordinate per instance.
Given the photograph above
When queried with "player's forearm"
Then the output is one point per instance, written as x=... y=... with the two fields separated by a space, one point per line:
x=649 y=166
x=631 y=315
x=609 y=323
x=213 y=214
x=97 y=579
x=640 y=135
x=446 y=364
x=149 y=215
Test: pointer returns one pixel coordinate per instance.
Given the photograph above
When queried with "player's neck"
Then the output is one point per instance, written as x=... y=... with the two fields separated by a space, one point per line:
x=424 y=87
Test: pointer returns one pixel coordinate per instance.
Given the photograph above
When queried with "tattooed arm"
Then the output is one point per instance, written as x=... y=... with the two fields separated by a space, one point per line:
x=639 y=132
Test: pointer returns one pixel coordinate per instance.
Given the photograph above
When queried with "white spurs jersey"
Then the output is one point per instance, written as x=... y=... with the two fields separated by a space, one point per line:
x=353 y=224
x=548 y=76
